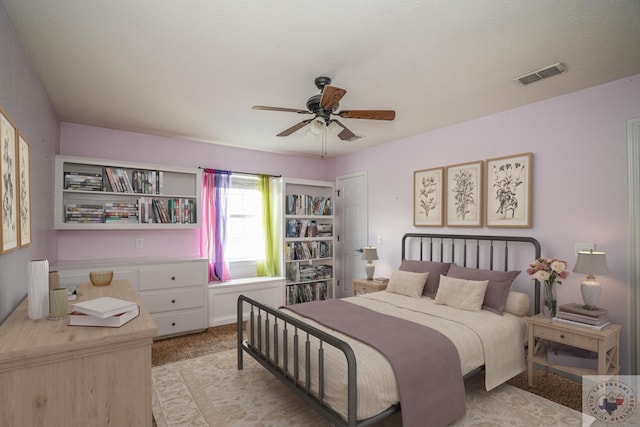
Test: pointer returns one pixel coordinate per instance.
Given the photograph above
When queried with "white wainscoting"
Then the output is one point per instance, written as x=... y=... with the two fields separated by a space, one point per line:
x=223 y=297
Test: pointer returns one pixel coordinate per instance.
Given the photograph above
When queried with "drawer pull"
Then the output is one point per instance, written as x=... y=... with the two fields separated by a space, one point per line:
x=173 y=301
x=562 y=336
x=173 y=324
x=173 y=277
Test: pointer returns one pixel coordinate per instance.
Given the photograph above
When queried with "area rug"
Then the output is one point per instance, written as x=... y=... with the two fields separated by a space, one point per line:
x=209 y=391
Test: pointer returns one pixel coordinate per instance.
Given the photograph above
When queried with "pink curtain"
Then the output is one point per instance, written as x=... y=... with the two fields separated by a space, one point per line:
x=215 y=186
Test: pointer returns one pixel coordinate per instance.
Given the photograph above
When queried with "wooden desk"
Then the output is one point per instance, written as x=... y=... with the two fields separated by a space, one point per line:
x=52 y=374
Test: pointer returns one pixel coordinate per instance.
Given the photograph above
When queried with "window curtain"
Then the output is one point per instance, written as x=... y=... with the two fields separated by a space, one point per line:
x=268 y=266
x=213 y=233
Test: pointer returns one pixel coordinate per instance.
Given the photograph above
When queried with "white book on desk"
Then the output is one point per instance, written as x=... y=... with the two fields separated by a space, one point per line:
x=581 y=325
x=104 y=307
x=80 y=319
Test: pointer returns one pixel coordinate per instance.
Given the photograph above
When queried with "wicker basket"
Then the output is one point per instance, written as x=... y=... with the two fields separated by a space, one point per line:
x=101 y=278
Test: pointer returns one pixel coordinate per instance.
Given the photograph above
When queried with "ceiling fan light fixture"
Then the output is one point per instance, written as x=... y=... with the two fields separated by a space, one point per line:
x=317 y=126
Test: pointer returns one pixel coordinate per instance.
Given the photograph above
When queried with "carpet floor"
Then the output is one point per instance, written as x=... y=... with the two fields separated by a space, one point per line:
x=555 y=388
x=209 y=391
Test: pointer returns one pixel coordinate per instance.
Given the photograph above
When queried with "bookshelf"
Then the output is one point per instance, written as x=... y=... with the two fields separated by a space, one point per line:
x=308 y=230
x=96 y=194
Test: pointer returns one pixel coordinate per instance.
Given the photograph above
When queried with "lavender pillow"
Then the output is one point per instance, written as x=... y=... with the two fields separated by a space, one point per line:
x=435 y=269
x=500 y=282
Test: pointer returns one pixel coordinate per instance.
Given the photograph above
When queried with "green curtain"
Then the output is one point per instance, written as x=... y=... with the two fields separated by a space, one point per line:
x=268 y=267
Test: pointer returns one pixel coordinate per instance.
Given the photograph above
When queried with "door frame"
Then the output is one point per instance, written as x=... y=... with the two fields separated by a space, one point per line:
x=365 y=215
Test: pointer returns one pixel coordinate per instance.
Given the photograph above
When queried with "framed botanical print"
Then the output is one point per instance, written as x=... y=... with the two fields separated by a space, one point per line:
x=464 y=195
x=8 y=192
x=509 y=191
x=428 y=202
x=24 y=189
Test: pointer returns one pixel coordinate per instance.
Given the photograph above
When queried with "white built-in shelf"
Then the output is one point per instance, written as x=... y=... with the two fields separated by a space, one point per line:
x=98 y=194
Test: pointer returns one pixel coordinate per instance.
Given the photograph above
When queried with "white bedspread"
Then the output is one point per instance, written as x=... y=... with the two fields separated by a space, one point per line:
x=498 y=344
x=480 y=337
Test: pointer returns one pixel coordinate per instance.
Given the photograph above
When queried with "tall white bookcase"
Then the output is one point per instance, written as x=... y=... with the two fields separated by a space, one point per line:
x=97 y=194
x=308 y=242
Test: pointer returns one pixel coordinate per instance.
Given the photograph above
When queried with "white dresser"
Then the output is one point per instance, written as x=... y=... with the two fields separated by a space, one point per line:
x=173 y=290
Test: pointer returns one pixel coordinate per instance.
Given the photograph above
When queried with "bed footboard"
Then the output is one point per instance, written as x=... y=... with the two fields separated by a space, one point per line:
x=275 y=329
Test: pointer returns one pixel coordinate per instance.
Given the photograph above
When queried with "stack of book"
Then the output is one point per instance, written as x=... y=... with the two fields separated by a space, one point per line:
x=576 y=315
x=81 y=213
x=105 y=311
x=81 y=181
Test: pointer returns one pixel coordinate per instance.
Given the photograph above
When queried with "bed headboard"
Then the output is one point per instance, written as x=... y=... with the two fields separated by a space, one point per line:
x=487 y=252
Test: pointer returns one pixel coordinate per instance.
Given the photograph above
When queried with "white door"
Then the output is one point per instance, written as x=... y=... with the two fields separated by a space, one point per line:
x=351 y=226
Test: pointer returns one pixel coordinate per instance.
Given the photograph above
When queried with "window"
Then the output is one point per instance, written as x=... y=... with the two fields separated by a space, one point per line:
x=245 y=241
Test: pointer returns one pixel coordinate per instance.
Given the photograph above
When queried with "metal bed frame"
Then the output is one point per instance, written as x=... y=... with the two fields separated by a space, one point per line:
x=431 y=247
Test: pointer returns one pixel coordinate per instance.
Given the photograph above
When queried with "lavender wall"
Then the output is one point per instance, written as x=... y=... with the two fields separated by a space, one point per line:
x=88 y=141
x=579 y=147
x=24 y=100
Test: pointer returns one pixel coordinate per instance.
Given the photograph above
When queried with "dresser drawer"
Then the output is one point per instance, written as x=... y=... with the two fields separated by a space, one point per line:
x=172 y=323
x=564 y=337
x=159 y=301
x=172 y=276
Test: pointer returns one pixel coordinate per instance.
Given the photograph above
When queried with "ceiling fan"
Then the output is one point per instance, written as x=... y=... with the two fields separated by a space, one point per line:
x=323 y=106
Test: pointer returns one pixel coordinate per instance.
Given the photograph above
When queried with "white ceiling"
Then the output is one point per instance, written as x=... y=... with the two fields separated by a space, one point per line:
x=193 y=68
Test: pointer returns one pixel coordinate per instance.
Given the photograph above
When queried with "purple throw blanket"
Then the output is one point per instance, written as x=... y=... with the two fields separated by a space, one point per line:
x=425 y=362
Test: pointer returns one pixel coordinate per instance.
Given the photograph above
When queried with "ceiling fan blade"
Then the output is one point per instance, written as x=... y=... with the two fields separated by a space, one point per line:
x=294 y=128
x=345 y=134
x=368 y=114
x=288 y=110
x=331 y=96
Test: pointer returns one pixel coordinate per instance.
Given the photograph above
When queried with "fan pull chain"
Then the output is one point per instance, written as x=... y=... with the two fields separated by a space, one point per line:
x=324 y=143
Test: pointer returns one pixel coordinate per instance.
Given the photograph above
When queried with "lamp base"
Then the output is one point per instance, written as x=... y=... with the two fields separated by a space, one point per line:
x=369 y=269
x=590 y=290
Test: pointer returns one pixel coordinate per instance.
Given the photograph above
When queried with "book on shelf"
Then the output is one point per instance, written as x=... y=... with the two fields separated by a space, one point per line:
x=581 y=324
x=576 y=308
x=83 y=213
x=300 y=204
x=83 y=181
x=104 y=307
x=77 y=318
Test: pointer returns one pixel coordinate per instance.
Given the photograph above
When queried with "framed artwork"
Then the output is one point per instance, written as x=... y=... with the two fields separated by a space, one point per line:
x=24 y=189
x=509 y=191
x=464 y=195
x=8 y=191
x=428 y=202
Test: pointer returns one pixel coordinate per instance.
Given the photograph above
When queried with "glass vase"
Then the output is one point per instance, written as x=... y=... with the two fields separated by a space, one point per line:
x=550 y=306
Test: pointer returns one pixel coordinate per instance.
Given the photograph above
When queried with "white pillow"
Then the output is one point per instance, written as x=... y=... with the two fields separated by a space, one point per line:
x=407 y=283
x=461 y=293
x=517 y=303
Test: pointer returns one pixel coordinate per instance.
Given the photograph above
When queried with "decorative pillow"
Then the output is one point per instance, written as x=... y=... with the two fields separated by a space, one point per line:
x=435 y=269
x=407 y=283
x=499 y=284
x=461 y=293
x=517 y=304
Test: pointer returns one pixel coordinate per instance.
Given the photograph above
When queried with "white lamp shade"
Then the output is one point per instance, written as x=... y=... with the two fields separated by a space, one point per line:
x=369 y=253
x=590 y=262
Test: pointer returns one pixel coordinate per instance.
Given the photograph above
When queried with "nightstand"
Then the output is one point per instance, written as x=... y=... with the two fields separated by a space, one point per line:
x=364 y=286
x=605 y=343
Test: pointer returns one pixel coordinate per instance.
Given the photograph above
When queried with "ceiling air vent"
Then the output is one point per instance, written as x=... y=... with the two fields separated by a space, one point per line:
x=543 y=73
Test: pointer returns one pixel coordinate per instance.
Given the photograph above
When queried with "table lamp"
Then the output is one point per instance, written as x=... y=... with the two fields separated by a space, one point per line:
x=369 y=254
x=590 y=263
